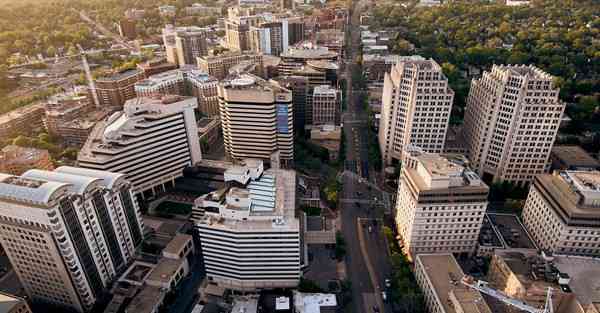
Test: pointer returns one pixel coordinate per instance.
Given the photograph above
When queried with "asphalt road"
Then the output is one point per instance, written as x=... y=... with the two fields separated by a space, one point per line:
x=360 y=263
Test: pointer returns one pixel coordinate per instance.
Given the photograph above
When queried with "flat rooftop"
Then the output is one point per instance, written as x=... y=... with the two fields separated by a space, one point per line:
x=511 y=231
x=146 y=300
x=572 y=194
x=18 y=113
x=165 y=269
x=445 y=275
x=574 y=156
x=585 y=276
x=310 y=53
x=17 y=154
x=119 y=76
x=177 y=243
x=273 y=207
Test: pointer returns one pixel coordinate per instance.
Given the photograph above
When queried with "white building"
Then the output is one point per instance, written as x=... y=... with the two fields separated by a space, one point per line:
x=440 y=204
x=185 y=81
x=151 y=141
x=416 y=105
x=249 y=235
x=562 y=212
x=326 y=105
x=511 y=119
x=439 y=277
x=68 y=233
x=257 y=119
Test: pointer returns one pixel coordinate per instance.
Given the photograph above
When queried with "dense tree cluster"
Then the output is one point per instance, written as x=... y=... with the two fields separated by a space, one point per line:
x=561 y=37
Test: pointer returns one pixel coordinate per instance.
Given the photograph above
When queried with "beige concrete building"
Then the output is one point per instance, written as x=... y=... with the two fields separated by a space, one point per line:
x=184 y=44
x=114 y=90
x=257 y=119
x=416 y=105
x=185 y=81
x=439 y=277
x=562 y=212
x=511 y=120
x=326 y=105
x=22 y=121
x=440 y=204
x=218 y=65
x=13 y=304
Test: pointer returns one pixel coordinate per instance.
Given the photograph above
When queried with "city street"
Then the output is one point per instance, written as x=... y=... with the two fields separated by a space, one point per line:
x=366 y=258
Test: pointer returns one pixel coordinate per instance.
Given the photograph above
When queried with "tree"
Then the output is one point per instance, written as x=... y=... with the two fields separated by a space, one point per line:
x=340 y=246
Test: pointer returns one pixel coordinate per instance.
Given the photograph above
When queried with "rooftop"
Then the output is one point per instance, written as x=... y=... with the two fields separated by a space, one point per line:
x=585 y=276
x=266 y=200
x=444 y=275
x=177 y=243
x=247 y=304
x=16 y=154
x=30 y=191
x=431 y=171
x=575 y=195
x=325 y=89
x=312 y=302
x=323 y=64
x=309 y=52
x=119 y=76
x=17 y=113
x=146 y=301
x=164 y=270
x=575 y=156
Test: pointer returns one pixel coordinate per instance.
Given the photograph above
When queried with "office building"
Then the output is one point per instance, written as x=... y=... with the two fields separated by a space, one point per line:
x=127 y=28
x=440 y=204
x=184 y=44
x=22 y=121
x=269 y=37
x=326 y=106
x=13 y=304
x=113 y=90
x=296 y=57
x=218 y=66
x=156 y=66
x=237 y=29
x=63 y=108
x=16 y=160
x=257 y=119
x=185 y=81
x=151 y=141
x=439 y=277
x=416 y=106
x=248 y=231
x=511 y=119
x=561 y=212
x=68 y=233
x=300 y=94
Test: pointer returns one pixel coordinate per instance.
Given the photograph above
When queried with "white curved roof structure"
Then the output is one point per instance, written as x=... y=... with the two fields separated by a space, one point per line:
x=109 y=179
x=79 y=184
